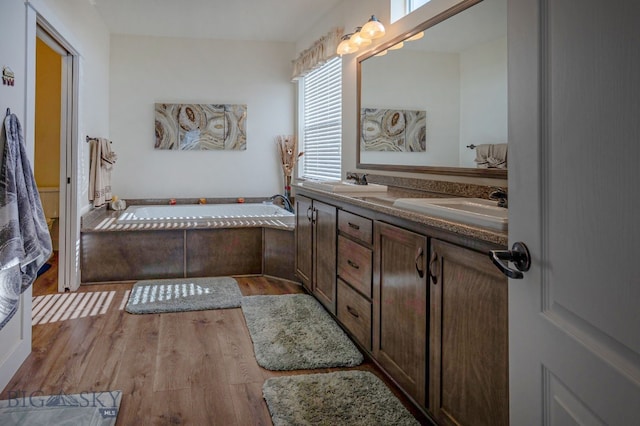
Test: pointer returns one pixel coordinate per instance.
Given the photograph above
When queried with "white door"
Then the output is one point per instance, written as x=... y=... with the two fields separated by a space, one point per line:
x=574 y=185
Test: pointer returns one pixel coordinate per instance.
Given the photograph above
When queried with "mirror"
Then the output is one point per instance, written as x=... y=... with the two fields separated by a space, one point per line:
x=438 y=104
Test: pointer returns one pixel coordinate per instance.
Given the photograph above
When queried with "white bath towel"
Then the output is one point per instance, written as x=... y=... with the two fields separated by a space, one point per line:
x=498 y=156
x=492 y=156
x=482 y=153
x=101 y=165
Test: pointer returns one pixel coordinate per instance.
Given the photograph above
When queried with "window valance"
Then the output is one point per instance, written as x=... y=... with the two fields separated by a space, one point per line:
x=320 y=52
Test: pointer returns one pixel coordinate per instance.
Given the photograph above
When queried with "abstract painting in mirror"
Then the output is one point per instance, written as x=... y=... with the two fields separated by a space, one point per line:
x=457 y=72
x=392 y=130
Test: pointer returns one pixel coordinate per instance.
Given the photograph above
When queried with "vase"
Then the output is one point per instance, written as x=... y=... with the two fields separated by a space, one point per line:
x=287 y=186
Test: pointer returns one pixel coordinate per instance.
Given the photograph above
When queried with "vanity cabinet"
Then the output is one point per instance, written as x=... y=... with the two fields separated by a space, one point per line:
x=468 y=338
x=428 y=306
x=316 y=234
x=355 y=263
x=400 y=307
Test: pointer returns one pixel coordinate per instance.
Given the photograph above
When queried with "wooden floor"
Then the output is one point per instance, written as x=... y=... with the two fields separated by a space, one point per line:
x=193 y=368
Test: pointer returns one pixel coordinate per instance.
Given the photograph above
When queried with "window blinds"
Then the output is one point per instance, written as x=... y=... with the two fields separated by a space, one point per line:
x=322 y=125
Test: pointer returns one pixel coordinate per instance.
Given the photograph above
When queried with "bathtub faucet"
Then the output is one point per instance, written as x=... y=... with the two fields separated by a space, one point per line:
x=358 y=179
x=285 y=201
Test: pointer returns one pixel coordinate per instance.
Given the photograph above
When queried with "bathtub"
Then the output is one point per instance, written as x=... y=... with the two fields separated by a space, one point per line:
x=201 y=213
x=187 y=240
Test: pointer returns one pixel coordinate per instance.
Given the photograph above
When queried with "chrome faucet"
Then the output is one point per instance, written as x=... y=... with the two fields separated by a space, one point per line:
x=359 y=179
x=500 y=195
x=287 y=203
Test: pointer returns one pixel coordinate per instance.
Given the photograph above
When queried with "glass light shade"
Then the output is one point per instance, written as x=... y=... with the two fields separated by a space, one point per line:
x=416 y=37
x=344 y=48
x=384 y=52
x=397 y=46
x=372 y=29
x=357 y=41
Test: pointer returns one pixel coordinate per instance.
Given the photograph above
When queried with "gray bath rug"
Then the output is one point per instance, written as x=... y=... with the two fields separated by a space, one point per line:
x=340 y=398
x=183 y=294
x=87 y=408
x=294 y=332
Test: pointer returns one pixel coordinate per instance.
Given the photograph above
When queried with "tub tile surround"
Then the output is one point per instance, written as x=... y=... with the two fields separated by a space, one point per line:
x=400 y=187
x=112 y=252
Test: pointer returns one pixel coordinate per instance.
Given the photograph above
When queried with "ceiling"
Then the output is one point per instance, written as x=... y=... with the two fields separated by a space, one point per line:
x=265 y=20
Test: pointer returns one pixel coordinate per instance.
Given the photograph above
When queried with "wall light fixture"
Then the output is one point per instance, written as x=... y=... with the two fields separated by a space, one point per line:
x=361 y=37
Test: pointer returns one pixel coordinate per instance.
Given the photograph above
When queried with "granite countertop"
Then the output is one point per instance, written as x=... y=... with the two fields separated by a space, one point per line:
x=383 y=202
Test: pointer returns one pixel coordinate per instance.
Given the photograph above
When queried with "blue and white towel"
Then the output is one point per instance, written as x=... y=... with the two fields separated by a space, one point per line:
x=25 y=243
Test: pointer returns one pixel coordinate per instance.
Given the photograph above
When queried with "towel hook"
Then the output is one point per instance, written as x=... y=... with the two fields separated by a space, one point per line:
x=8 y=112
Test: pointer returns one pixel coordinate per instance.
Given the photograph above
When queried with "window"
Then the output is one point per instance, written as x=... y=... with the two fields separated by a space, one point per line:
x=322 y=121
x=414 y=4
x=401 y=8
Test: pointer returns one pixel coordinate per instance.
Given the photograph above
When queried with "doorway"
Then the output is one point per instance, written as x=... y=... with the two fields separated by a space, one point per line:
x=55 y=117
x=47 y=125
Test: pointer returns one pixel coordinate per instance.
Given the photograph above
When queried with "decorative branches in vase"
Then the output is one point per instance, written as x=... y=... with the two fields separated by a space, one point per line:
x=287 y=147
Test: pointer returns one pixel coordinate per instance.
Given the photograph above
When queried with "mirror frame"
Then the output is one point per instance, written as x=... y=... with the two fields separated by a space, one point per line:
x=458 y=171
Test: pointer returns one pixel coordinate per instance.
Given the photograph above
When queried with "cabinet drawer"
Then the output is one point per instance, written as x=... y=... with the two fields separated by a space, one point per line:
x=356 y=226
x=354 y=265
x=354 y=312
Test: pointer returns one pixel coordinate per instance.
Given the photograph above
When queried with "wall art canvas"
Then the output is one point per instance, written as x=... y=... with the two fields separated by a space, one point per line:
x=187 y=127
x=393 y=130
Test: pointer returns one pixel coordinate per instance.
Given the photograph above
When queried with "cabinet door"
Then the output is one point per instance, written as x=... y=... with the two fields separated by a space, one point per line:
x=304 y=250
x=400 y=307
x=324 y=254
x=469 y=353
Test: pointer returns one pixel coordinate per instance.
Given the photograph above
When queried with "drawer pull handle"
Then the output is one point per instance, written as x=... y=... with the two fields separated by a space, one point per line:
x=354 y=226
x=353 y=264
x=353 y=311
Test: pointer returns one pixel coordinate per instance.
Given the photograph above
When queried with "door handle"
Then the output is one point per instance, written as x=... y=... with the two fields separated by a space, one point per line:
x=353 y=264
x=418 y=255
x=518 y=255
x=309 y=213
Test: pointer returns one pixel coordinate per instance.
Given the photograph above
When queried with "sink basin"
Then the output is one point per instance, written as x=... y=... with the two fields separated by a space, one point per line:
x=343 y=186
x=472 y=211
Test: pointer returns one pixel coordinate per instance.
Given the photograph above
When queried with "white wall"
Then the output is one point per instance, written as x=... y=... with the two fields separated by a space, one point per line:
x=483 y=97
x=12 y=41
x=353 y=13
x=390 y=82
x=149 y=70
